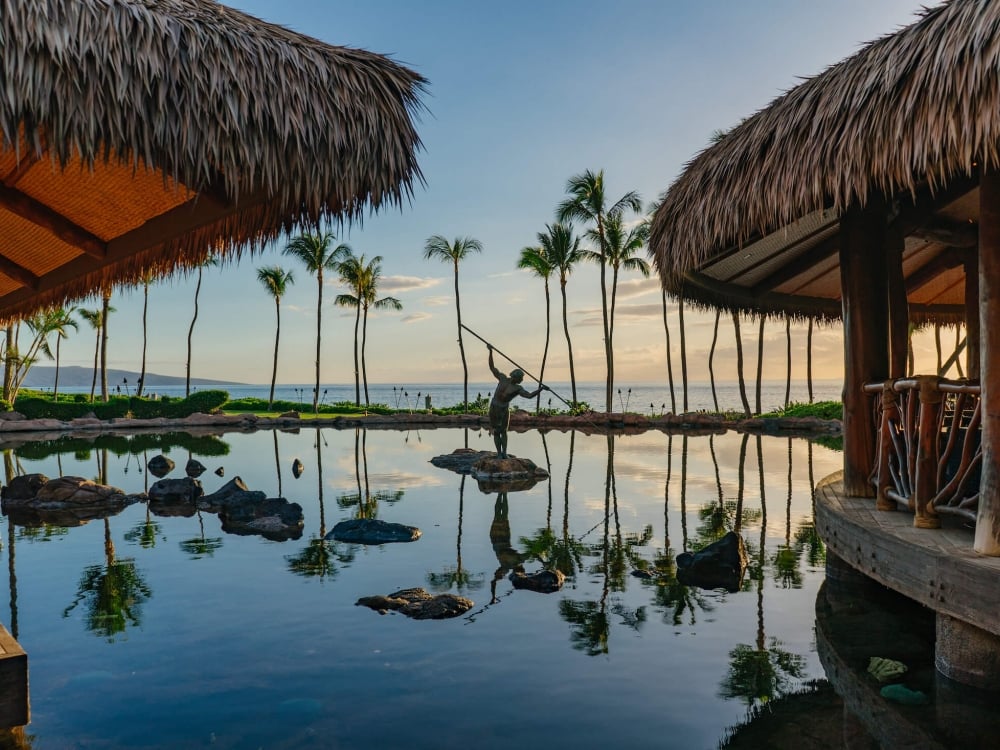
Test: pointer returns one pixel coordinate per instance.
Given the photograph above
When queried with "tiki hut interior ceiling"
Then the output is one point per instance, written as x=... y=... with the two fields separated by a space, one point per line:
x=753 y=222
x=139 y=136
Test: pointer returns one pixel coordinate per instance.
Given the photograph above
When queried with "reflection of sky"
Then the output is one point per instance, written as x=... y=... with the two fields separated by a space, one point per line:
x=271 y=636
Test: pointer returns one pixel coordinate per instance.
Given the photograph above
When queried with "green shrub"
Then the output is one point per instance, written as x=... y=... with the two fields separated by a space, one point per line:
x=33 y=407
x=81 y=398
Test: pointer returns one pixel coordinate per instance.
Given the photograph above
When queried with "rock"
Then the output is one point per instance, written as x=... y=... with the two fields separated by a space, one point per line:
x=646 y=575
x=513 y=468
x=23 y=487
x=220 y=472
x=460 y=460
x=67 y=501
x=719 y=565
x=194 y=468
x=233 y=492
x=289 y=415
x=11 y=416
x=373 y=531
x=273 y=518
x=544 y=581
x=297 y=468
x=418 y=604
x=175 y=497
x=160 y=466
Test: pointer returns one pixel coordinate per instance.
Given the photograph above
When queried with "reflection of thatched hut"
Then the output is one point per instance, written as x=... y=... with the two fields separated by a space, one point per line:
x=869 y=192
x=141 y=136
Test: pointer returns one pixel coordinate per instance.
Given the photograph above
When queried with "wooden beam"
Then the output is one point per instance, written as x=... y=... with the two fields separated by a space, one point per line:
x=196 y=213
x=987 y=540
x=972 y=314
x=782 y=251
x=52 y=221
x=20 y=170
x=918 y=212
x=18 y=273
x=802 y=264
x=899 y=313
x=947 y=259
x=864 y=297
x=953 y=233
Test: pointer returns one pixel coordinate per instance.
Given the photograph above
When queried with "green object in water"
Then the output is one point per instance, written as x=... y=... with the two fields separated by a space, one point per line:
x=884 y=670
x=902 y=694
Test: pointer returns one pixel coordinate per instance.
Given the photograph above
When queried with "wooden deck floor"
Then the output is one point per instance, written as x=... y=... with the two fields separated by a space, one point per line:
x=13 y=682
x=936 y=567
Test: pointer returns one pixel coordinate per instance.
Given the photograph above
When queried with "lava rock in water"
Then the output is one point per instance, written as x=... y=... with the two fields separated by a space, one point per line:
x=373 y=531
x=418 y=604
x=175 y=497
x=511 y=467
x=194 y=468
x=160 y=466
x=233 y=492
x=23 y=487
x=544 y=581
x=289 y=415
x=719 y=565
x=297 y=468
x=646 y=575
x=68 y=501
x=273 y=518
x=220 y=472
x=460 y=460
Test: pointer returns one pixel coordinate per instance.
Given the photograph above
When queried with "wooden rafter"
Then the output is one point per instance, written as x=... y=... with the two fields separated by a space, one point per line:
x=803 y=263
x=947 y=259
x=53 y=222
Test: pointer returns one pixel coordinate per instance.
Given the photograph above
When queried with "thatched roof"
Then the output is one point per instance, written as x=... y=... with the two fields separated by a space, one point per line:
x=909 y=116
x=141 y=135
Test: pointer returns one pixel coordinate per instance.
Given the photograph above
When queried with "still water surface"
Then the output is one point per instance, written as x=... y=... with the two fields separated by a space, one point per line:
x=224 y=641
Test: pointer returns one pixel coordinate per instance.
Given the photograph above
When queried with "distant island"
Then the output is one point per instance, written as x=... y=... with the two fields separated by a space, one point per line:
x=81 y=377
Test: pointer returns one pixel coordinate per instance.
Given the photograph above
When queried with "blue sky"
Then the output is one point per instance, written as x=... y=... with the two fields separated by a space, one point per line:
x=522 y=96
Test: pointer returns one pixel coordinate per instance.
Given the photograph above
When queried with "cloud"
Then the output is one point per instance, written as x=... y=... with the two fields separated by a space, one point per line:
x=638 y=287
x=395 y=284
x=416 y=317
x=437 y=301
x=638 y=311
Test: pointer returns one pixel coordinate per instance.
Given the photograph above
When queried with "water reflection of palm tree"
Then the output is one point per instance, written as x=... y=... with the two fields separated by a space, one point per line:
x=113 y=592
x=787 y=558
x=277 y=461
x=763 y=671
x=201 y=546
x=145 y=532
x=366 y=501
x=807 y=539
x=456 y=576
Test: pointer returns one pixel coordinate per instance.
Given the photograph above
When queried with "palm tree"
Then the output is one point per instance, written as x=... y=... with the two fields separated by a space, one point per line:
x=788 y=360
x=809 y=359
x=211 y=260
x=106 y=311
x=563 y=251
x=95 y=318
x=684 y=361
x=316 y=253
x=739 y=364
x=588 y=203
x=147 y=279
x=61 y=321
x=41 y=325
x=535 y=260
x=352 y=274
x=711 y=358
x=276 y=281
x=760 y=362
x=438 y=247
x=670 y=365
x=621 y=246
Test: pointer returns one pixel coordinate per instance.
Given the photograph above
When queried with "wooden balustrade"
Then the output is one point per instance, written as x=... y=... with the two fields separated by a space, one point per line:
x=929 y=447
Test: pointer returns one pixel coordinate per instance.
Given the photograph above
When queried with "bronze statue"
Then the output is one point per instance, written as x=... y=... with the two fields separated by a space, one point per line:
x=507 y=388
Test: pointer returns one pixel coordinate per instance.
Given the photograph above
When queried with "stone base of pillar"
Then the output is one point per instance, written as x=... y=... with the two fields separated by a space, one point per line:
x=967 y=654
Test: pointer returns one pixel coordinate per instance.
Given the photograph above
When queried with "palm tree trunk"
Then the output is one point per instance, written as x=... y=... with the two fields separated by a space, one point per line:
x=277 y=335
x=604 y=313
x=611 y=329
x=739 y=364
x=145 y=309
x=569 y=344
x=187 y=381
x=319 y=325
x=937 y=347
x=9 y=365
x=461 y=345
x=545 y=351
x=364 y=360
x=105 y=314
x=97 y=353
x=760 y=362
x=357 y=372
x=670 y=366
x=711 y=359
x=684 y=361
x=788 y=359
x=809 y=359
x=55 y=384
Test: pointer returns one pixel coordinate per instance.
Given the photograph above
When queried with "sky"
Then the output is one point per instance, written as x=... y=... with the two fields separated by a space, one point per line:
x=522 y=95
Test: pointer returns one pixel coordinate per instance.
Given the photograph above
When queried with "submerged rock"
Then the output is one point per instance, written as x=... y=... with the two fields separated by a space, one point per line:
x=373 y=531
x=194 y=468
x=460 y=460
x=233 y=492
x=273 y=518
x=297 y=468
x=160 y=466
x=220 y=472
x=175 y=497
x=65 y=501
x=23 y=487
x=511 y=468
x=544 y=581
x=418 y=604
x=719 y=565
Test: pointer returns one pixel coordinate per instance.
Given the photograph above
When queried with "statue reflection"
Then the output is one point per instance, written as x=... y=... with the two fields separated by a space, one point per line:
x=509 y=559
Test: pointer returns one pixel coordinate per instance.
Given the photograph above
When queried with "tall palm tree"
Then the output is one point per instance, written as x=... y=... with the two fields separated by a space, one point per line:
x=537 y=261
x=670 y=365
x=41 y=325
x=352 y=275
x=563 y=251
x=106 y=311
x=62 y=321
x=587 y=202
x=211 y=260
x=739 y=364
x=317 y=254
x=437 y=247
x=788 y=360
x=276 y=281
x=147 y=279
x=809 y=359
x=9 y=362
x=711 y=358
x=95 y=318
x=684 y=359
x=760 y=362
x=622 y=244
x=364 y=278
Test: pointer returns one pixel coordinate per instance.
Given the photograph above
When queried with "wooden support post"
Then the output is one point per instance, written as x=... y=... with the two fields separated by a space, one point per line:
x=972 y=313
x=899 y=312
x=864 y=297
x=890 y=415
x=987 y=540
x=14 y=711
x=928 y=452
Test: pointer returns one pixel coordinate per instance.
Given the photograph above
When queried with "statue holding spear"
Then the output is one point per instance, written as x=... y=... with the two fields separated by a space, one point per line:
x=508 y=386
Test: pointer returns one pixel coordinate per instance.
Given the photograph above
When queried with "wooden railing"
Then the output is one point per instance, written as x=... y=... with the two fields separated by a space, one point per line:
x=929 y=447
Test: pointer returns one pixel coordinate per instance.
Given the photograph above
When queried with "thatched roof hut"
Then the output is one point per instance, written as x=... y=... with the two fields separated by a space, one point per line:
x=139 y=136
x=753 y=222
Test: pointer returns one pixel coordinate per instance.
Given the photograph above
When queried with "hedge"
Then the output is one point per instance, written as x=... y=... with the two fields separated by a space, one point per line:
x=116 y=407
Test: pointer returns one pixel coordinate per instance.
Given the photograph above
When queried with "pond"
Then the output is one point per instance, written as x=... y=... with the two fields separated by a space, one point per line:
x=166 y=632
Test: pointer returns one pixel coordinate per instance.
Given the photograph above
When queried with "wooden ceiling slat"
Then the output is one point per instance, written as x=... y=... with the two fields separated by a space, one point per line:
x=41 y=215
x=948 y=258
x=18 y=273
x=805 y=262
